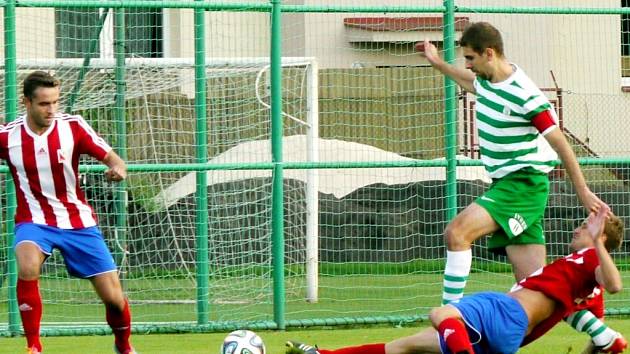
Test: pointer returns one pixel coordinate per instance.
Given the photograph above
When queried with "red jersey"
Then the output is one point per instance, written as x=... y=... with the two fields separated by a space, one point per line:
x=45 y=170
x=571 y=282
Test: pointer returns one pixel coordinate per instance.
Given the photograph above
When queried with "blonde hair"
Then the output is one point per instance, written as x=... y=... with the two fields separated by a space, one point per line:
x=614 y=230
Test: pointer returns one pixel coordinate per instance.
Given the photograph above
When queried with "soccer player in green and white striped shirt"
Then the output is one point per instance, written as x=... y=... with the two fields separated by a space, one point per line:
x=519 y=141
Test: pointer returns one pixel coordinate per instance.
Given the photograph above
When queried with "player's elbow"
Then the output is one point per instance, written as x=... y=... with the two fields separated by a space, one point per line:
x=614 y=290
x=614 y=287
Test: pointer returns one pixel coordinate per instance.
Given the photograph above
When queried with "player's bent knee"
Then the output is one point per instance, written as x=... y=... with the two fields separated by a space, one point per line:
x=115 y=304
x=439 y=314
x=29 y=270
x=454 y=239
x=436 y=316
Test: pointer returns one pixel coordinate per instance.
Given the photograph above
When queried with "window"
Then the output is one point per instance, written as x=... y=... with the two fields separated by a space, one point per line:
x=76 y=31
x=143 y=32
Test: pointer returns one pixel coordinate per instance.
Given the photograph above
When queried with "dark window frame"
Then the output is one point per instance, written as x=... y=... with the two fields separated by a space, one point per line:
x=75 y=30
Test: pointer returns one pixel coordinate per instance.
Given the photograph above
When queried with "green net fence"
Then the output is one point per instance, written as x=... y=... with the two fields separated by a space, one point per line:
x=363 y=147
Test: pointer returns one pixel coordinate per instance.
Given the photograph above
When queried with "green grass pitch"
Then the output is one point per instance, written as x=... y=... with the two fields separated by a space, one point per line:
x=561 y=340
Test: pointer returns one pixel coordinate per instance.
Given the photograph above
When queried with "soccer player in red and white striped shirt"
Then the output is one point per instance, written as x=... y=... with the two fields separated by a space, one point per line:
x=42 y=149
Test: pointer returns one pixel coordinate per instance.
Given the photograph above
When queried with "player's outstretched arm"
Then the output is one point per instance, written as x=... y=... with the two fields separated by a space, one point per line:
x=117 y=168
x=606 y=273
x=560 y=144
x=463 y=77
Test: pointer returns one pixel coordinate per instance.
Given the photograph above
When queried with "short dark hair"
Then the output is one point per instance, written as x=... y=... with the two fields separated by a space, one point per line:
x=614 y=230
x=38 y=79
x=479 y=36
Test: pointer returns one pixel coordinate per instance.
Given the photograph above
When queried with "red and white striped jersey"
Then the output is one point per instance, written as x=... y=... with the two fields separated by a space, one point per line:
x=571 y=282
x=45 y=170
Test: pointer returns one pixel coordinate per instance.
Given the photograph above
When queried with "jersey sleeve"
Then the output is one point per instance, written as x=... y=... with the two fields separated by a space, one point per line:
x=89 y=142
x=534 y=105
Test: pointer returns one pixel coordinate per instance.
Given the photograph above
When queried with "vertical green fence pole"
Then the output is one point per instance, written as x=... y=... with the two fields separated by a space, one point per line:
x=201 y=226
x=10 y=107
x=450 y=112
x=121 y=133
x=277 y=211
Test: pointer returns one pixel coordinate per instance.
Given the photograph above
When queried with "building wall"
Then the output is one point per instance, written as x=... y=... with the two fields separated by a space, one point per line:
x=582 y=51
x=35 y=33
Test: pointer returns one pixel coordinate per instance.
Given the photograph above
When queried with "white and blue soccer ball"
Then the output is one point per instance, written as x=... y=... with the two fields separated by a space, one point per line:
x=243 y=342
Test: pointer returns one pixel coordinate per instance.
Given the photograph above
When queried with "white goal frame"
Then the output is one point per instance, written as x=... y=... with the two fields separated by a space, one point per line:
x=312 y=125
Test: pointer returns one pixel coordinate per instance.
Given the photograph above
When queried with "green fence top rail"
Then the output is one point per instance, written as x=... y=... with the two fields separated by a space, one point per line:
x=190 y=167
x=174 y=4
x=219 y=6
x=266 y=7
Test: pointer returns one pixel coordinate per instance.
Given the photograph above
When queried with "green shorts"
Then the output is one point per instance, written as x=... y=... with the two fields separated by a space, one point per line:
x=517 y=203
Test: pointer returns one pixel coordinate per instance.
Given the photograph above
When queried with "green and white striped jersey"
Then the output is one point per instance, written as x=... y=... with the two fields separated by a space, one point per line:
x=508 y=141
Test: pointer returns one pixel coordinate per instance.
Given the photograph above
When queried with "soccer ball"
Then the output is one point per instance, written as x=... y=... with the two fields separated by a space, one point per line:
x=243 y=342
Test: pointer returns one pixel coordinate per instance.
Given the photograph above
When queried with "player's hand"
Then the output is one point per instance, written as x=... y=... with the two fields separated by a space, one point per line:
x=591 y=202
x=116 y=174
x=596 y=221
x=429 y=51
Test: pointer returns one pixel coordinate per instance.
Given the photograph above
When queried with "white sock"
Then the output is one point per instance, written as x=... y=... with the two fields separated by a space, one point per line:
x=456 y=273
x=585 y=321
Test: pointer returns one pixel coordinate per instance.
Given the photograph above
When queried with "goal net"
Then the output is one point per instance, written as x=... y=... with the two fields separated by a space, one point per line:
x=155 y=244
x=367 y=124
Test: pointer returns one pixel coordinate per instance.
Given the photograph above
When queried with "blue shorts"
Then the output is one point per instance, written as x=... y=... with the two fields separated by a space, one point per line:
x=84 y=251
x=496 y=323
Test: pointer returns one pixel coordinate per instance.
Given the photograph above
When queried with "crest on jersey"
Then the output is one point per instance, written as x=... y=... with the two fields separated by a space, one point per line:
x=61 y=156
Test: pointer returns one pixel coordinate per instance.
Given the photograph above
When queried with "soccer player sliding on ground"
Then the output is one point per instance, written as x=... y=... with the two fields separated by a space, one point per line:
x=497 y=323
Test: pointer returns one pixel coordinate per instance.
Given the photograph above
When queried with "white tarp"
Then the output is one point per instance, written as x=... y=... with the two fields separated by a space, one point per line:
x=338 y=182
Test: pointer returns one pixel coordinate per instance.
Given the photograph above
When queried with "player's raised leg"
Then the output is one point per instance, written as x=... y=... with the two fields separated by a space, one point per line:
x=526 y=259
x=469 y=225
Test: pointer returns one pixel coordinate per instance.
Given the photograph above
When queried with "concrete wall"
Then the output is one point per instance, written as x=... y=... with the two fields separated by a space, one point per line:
x=582 y=51
x=35 y=33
